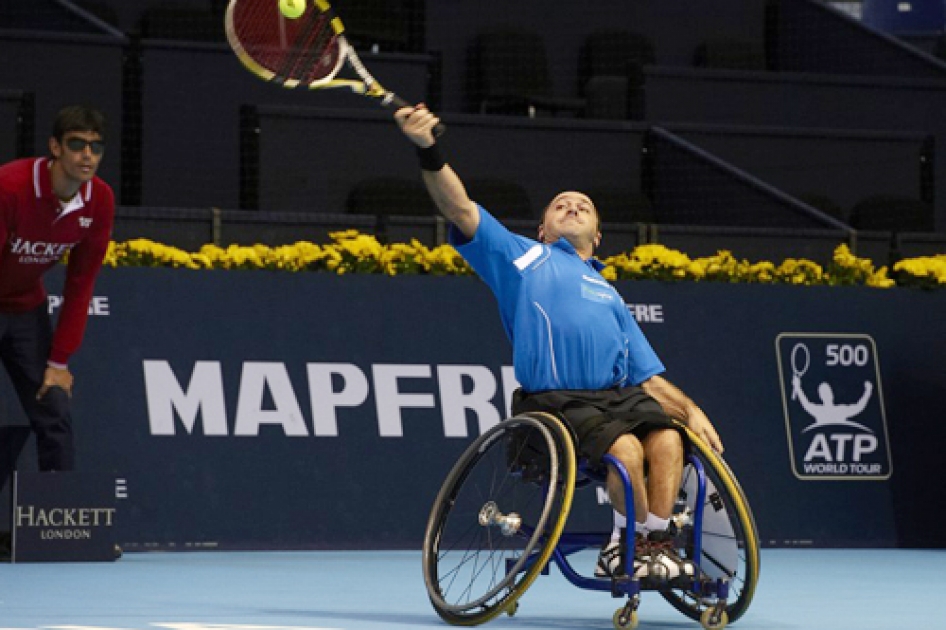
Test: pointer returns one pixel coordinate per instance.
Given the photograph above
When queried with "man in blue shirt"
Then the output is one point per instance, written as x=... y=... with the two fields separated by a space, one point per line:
x=577 y=350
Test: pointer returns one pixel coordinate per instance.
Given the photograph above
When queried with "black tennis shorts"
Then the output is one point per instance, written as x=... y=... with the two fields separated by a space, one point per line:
x=598 y=417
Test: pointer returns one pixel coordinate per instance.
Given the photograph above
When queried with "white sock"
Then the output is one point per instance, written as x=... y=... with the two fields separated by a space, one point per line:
x=620 y=522
x=654 y=524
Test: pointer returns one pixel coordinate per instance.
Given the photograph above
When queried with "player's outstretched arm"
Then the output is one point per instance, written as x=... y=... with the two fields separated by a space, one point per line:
x=443 y=184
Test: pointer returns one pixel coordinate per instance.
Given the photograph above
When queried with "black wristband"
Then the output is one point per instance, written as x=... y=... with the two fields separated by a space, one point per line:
x=430 y=158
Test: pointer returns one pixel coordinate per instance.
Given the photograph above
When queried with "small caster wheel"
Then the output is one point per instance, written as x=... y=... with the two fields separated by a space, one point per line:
x=624 y=620
x=708 y=622
x=512 y=608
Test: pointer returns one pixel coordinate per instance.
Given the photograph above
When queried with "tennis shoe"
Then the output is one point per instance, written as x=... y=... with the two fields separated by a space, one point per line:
x=662 y=560
x=611 y=559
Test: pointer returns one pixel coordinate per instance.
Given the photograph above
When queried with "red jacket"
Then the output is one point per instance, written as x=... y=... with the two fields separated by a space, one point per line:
x=36 y=231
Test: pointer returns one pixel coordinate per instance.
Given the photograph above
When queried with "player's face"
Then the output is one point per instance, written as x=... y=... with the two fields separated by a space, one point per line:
x=571 y=216
x=79 y=154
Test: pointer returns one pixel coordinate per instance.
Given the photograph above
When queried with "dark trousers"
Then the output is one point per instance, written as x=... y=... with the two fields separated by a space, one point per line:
x=25 y=339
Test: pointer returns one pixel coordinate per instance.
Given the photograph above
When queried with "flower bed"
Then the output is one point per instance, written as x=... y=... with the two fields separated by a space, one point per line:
x=353 y=252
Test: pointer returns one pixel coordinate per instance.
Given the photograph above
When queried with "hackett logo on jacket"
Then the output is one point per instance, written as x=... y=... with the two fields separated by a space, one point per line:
x=38 y=252
x=37 y=230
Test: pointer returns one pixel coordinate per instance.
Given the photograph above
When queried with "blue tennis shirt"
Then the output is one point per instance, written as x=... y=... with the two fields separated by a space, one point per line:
x=569 y=328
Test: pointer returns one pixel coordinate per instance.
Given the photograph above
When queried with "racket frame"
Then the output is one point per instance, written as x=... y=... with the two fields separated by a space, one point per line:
x=367 y=86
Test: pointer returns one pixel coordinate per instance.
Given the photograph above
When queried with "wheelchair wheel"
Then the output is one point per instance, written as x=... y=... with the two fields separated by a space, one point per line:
x=498 y=517
x=730 y=541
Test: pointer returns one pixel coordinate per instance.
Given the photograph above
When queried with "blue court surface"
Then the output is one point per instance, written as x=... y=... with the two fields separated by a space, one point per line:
x=803 y=589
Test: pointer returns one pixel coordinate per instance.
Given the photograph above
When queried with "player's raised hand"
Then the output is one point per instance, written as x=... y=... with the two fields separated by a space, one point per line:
x=418 y=123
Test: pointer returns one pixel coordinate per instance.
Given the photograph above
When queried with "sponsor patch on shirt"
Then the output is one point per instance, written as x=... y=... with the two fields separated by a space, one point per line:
x=597 y=294
x=593 y=280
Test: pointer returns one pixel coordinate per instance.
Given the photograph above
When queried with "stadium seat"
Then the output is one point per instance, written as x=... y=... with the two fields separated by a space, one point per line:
x=508 y=73
x=384 y=196
x=608 y=53
x=503 y=198
x=892 y=213
x=611 y=74
x=621 y=205
x=730 y=54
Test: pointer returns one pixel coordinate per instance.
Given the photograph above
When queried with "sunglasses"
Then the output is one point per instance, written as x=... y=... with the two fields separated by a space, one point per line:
x=77 y=145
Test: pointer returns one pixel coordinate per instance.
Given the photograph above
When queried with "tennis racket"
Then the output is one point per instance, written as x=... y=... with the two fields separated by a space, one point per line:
x=801 y=359
x=301 y=44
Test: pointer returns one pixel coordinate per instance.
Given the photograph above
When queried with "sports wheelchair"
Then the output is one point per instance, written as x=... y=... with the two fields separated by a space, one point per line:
x=499 y=519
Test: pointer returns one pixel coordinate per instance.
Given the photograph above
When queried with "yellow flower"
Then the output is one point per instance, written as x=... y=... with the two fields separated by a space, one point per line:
x=927 y=271
x=353 y=252
x=880 y=280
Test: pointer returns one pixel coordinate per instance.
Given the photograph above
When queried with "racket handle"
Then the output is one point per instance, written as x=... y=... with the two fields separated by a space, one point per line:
x=397 y=102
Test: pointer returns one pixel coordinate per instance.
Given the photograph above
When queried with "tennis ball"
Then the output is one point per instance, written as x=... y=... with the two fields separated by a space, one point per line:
x=292 y=9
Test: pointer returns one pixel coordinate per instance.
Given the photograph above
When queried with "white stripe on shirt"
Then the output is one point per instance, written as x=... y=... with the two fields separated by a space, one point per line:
x=528 y=258
x=36 y=187
x=548 y=328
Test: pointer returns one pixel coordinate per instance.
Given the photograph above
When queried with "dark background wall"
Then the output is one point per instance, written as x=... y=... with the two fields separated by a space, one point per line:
x=676 y=28
x=173 y=92
x=203 y=128
x=477 y=147
x=276 y=465
x=55 y=68
x=738 y=153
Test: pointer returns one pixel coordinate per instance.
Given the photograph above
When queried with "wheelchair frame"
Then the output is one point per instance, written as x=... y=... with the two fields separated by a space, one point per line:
x=536 y=483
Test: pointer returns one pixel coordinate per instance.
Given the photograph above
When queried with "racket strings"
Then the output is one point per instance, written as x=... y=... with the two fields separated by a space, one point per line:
x=310 y=55
x=302 y=49
x=306 y=51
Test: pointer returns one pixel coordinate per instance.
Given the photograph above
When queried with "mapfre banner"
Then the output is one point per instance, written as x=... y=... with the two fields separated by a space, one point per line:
x=275 y=410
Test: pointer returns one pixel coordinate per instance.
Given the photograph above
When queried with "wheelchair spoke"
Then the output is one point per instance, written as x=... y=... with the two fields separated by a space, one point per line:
x=489 y=519
x=719 y=565
x=727 y=537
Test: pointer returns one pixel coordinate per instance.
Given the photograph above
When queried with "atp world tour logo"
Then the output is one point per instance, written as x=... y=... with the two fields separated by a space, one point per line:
x=834 y=410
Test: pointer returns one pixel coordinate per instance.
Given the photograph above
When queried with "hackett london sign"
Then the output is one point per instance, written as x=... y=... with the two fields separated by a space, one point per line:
x=60 y=517
x=64 y=519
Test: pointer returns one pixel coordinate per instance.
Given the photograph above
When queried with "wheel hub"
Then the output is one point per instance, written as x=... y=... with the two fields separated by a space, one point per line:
x=508 y=524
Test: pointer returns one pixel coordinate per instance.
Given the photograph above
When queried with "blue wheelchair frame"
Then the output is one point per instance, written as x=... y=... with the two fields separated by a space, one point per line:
x=631 y=587
x=534 y=485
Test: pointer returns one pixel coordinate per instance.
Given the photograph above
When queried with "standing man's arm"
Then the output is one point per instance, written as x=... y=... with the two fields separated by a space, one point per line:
x=85 y=261
x=678 y=406
x=442 y=182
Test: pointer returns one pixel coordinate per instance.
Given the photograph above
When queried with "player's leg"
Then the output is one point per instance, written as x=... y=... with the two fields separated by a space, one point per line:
x=664 y=452
x=630 y=452
x=627 y=448
x=662 y=449
x=638 y=432
x=24 y=349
